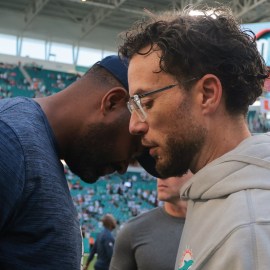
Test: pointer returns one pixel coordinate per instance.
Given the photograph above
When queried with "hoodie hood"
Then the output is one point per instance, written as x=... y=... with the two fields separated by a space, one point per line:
x=245 y=167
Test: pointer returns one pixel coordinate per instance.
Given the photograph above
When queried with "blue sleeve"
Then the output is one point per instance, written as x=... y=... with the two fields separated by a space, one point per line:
x=92 y=253
x=108 y=246
x=12 y=173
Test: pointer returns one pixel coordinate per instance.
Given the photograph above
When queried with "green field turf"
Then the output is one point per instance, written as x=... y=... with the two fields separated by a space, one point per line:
x=91 y=267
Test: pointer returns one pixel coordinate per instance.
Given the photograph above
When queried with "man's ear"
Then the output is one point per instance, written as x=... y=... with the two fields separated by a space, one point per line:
x=210 y=90
x=113 y=99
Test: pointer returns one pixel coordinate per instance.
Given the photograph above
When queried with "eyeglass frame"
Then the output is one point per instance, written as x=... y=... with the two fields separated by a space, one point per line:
x=137 y=99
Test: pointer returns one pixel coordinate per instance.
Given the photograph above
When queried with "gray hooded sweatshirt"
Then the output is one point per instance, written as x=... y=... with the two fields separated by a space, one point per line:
x=228 y=217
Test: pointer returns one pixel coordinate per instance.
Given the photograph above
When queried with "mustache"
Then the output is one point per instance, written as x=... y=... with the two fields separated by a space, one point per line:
x=147 y=143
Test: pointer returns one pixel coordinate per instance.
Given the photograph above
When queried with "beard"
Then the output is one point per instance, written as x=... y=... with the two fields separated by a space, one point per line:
x=178 y=156
x=182 y=144
x=94 y=152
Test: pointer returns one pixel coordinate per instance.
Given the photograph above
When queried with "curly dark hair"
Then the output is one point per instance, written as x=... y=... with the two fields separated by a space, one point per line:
x=212 y=42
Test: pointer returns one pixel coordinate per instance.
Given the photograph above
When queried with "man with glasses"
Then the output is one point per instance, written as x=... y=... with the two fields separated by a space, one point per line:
x=207 y=71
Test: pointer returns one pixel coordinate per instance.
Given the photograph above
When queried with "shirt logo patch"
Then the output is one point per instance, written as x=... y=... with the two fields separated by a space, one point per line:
x=186 y=260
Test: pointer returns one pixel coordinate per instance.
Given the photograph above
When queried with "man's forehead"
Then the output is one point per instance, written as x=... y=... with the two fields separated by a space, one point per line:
x=152 y=58
x=144 y=73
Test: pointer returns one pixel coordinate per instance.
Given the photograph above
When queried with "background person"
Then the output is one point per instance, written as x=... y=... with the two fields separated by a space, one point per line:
x=206 y=71
x=150 y=241
x=103 y=246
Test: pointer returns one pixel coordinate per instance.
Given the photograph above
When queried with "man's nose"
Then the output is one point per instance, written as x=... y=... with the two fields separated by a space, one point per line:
x=136 y=126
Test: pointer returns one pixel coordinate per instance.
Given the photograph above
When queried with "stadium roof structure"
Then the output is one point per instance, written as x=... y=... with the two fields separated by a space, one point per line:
x=96 y=23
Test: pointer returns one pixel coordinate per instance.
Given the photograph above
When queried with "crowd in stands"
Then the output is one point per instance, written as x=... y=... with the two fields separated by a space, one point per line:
x=124 y=196
x=258 y=122
x=46 y=82
x=10 y=78
x=32 y=80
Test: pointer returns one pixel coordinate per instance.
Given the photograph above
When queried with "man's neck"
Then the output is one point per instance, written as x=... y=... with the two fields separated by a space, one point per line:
x=177 y=209
x=222 y=138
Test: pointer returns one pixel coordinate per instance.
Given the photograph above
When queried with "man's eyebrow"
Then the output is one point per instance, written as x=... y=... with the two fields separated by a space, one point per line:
x=141 y=91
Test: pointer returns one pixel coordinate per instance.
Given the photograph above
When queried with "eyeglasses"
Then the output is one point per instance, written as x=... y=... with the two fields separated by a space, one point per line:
x=134 y=103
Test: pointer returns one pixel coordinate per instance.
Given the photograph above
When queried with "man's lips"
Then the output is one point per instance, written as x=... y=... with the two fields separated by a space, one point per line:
x=152 y=152
x=151 y=148
x=147 y=144
x=162 y=186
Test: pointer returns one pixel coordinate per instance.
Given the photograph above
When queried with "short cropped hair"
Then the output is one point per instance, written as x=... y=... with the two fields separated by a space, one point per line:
x=109 y=221
x=210 y=43
x=101 y=76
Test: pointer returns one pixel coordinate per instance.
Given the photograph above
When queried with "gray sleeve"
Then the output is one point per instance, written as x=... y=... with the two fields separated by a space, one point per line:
x=245 y=248
x=123 y=254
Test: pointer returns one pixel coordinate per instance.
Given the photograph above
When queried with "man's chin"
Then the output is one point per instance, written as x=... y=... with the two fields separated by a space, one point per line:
x=89 y=179
x=89 y=175
x=166 y=170
x=92 y=177
x=162 y=168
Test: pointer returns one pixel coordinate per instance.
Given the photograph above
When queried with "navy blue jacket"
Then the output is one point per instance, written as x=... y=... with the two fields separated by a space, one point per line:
x=39 y=228
x=103 y=247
